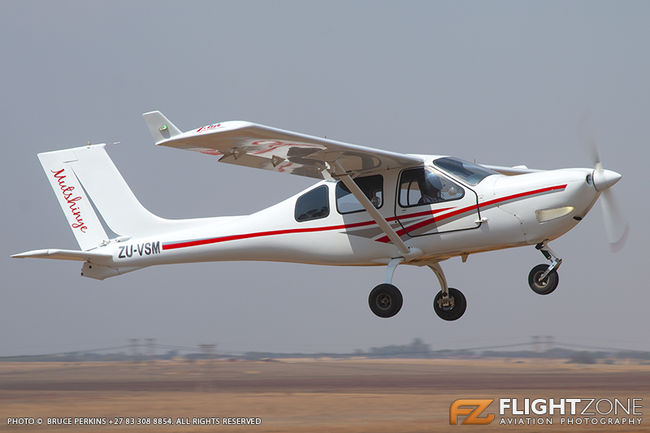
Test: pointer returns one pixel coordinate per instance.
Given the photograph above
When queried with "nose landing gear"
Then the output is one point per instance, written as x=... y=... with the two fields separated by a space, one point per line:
x=543 y=279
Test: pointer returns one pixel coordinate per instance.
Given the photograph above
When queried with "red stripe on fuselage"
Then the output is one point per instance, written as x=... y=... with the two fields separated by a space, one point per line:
x=185 y=244
x=522 y=194
x=426 y=222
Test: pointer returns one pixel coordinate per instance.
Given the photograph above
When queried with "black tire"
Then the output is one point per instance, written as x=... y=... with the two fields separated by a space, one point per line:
x=546 y=286
x=450 y=313
x=385 y=300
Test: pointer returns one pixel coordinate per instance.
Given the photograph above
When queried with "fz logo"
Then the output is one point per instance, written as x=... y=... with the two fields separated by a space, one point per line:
x=471 y=408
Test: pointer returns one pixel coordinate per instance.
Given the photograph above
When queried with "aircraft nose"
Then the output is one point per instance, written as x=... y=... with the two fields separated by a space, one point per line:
x=604 y=179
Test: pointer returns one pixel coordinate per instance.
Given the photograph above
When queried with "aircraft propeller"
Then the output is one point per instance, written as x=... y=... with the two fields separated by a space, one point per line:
x=616 y=228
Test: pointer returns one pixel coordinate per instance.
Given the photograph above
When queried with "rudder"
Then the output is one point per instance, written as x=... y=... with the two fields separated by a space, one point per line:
x=97 y=202
x=74 y=202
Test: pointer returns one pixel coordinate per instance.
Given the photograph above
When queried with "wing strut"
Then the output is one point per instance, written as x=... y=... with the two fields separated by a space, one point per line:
x=365 y=202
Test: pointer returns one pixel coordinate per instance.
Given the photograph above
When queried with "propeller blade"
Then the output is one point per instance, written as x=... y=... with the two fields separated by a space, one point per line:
x=595 y=155
x=616 y=227
x=589 y=138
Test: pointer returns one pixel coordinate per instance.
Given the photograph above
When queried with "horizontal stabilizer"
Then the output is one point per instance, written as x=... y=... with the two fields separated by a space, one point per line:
x=62 y=255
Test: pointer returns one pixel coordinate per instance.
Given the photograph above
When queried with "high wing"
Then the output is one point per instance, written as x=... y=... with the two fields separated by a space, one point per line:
x=259 y=146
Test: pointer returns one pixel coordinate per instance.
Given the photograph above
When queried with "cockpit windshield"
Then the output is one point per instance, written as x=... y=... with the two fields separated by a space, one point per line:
x=469 y=172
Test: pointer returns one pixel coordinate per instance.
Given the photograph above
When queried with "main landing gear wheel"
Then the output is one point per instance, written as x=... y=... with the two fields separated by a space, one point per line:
x=451 y=308
x=543 y=286
x=385 y=300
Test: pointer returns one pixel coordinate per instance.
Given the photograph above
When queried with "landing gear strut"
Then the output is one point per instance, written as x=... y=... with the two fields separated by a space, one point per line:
x=543 y=279
x=386 y=300
x=449 y=303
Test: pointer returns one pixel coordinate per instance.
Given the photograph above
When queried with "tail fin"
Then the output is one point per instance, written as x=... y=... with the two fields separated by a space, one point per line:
x=95 y=199
x=160 y=127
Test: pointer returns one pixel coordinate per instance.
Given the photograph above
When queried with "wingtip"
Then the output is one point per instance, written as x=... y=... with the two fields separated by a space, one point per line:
x=27 y=254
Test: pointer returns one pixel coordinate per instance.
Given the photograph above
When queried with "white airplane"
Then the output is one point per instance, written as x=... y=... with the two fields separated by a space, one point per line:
x=371 y=207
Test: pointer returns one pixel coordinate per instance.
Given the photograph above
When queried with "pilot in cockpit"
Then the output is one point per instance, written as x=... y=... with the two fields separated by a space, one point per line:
x=430 y=188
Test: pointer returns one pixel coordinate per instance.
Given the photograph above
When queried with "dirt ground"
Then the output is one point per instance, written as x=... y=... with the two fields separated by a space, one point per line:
x=316 y=395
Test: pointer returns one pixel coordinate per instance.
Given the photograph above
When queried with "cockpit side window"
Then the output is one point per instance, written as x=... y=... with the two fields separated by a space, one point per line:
x=464 y=170
x=313 y=204
x=372 y=187
x=422 y=186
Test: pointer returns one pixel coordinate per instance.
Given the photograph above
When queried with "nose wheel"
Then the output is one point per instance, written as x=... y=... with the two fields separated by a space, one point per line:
x=543 y=279
x=543 y=285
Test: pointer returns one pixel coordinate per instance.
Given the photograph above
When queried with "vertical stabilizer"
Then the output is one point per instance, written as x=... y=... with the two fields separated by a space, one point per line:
x=95 y=198
x=78 y=210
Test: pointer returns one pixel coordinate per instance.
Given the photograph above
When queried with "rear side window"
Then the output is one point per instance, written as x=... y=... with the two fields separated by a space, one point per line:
x=372 y=187
x=313 y=205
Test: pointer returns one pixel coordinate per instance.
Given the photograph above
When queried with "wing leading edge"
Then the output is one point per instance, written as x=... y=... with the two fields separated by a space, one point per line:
x=259 y=146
